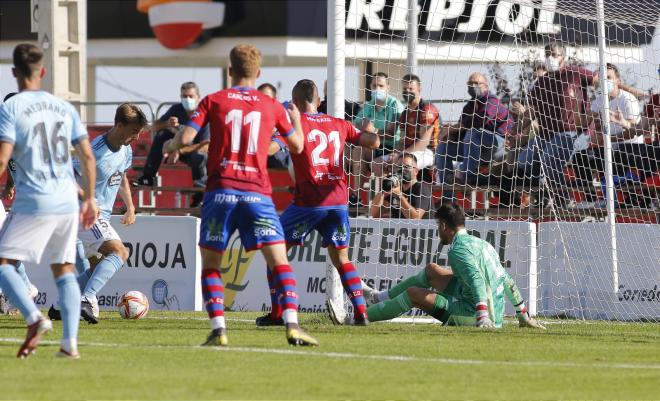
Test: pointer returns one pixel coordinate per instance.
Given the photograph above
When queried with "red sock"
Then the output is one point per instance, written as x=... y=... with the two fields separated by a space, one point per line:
x=213 y=292
x=353 y=287
x=276 y=308
x=285 y=284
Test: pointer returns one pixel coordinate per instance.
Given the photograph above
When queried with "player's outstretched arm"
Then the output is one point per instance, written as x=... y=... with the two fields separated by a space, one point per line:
x=295 y=141
x=88 y=208
x=513 y=294
x=276 y=144
x=369 y=140
x=6 y=148
x=181 y=139
x=127 y=198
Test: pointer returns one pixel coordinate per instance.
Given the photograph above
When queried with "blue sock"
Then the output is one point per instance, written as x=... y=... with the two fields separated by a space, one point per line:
x=102 y=273
x=20 y=269
x=17 y=293
x=83 y=278
x=82 y=264
x=69 y=294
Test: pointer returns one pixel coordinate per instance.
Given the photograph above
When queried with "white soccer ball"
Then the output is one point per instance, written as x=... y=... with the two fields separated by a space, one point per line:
x=133 y=305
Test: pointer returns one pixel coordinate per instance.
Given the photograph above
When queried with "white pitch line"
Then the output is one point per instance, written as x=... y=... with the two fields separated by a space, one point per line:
x=194 y=318
x=508 y=320
x=348 y=355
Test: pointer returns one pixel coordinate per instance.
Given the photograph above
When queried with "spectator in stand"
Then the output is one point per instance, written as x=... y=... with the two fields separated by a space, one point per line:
x=381 y=115
x=559 y=103
x=351 y=109
x=539 y=71
x=402 y=195
x=624 y=113
x=634 y=159
x=194 y=155
x=477 y=138
x=523 y=131
x=651 y=116
x=420 y=123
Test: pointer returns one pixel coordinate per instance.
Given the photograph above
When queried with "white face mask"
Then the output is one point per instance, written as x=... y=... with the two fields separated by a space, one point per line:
x=609 y=85
x=189 y=103
x=379 y=95
x=553 y=63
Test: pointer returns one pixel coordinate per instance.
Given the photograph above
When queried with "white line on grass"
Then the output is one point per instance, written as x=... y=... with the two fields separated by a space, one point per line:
x=507 y=320
x=194 y=318
x=348 y=355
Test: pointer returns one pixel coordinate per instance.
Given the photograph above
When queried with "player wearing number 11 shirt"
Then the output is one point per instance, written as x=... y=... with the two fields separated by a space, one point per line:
x=238 y=190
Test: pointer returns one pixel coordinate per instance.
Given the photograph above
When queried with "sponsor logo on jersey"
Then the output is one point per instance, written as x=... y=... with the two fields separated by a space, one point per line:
x=235 y=165
x=115 y=179
x=319 y=175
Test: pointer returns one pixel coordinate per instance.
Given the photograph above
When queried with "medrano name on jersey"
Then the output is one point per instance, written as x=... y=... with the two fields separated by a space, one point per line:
x=42 y=129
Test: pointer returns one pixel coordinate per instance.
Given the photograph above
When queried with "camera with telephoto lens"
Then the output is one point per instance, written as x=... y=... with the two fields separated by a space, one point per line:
x=390 y=181
x=395 y=178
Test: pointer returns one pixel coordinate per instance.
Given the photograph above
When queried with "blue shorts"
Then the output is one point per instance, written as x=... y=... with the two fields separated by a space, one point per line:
x=253 y=214
x=330 y=221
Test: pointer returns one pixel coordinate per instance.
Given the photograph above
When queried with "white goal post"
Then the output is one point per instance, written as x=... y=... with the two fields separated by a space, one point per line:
x=571 y=150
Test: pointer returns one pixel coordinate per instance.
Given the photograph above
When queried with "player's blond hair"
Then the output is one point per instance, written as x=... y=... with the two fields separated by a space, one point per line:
x=245 y=61
x=129 y=114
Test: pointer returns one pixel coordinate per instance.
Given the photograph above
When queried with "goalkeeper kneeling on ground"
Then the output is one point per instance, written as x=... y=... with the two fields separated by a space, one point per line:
x=471 y=294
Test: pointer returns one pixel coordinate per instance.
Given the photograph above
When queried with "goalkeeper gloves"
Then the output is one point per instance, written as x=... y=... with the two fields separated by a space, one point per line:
x=524 y=320
x=483 y=317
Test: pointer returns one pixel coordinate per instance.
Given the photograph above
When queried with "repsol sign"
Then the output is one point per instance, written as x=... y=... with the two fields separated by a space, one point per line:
x=485 y=21
x=149 y=255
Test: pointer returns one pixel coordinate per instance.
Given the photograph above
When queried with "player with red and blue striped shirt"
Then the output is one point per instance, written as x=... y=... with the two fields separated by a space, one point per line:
x=241 y=121
x=321 y=195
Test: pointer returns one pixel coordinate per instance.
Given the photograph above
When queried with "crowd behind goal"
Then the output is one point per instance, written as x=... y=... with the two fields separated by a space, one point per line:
x=542 y=150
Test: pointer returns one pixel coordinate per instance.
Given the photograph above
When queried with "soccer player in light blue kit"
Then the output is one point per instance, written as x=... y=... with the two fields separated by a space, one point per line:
x=114 y=156
x=9 y=193
x=36 y=129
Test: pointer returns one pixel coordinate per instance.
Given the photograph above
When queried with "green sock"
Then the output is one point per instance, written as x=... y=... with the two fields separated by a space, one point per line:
x=418 y=280
x=440 y=309
x=389 y=309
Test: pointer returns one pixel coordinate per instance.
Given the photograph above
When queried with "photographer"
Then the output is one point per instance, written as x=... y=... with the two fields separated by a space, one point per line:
x=402 y=196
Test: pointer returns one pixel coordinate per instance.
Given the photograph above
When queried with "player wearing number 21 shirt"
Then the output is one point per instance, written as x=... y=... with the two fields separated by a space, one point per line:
x=237 y=197
x=320 y=199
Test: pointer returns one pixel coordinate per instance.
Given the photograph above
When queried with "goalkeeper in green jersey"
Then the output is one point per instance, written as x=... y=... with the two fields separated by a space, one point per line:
x=471 y=294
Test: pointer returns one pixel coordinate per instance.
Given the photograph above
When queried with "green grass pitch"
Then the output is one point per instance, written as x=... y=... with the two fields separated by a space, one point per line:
x=159 y=358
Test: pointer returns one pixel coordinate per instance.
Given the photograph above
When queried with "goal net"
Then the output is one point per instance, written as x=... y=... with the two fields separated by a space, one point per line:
x=512 y=125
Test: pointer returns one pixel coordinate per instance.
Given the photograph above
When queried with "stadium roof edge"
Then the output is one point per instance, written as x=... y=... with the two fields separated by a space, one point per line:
x=294 y=51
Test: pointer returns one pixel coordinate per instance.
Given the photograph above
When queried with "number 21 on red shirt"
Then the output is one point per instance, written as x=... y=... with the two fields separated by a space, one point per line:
x=319 y=136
